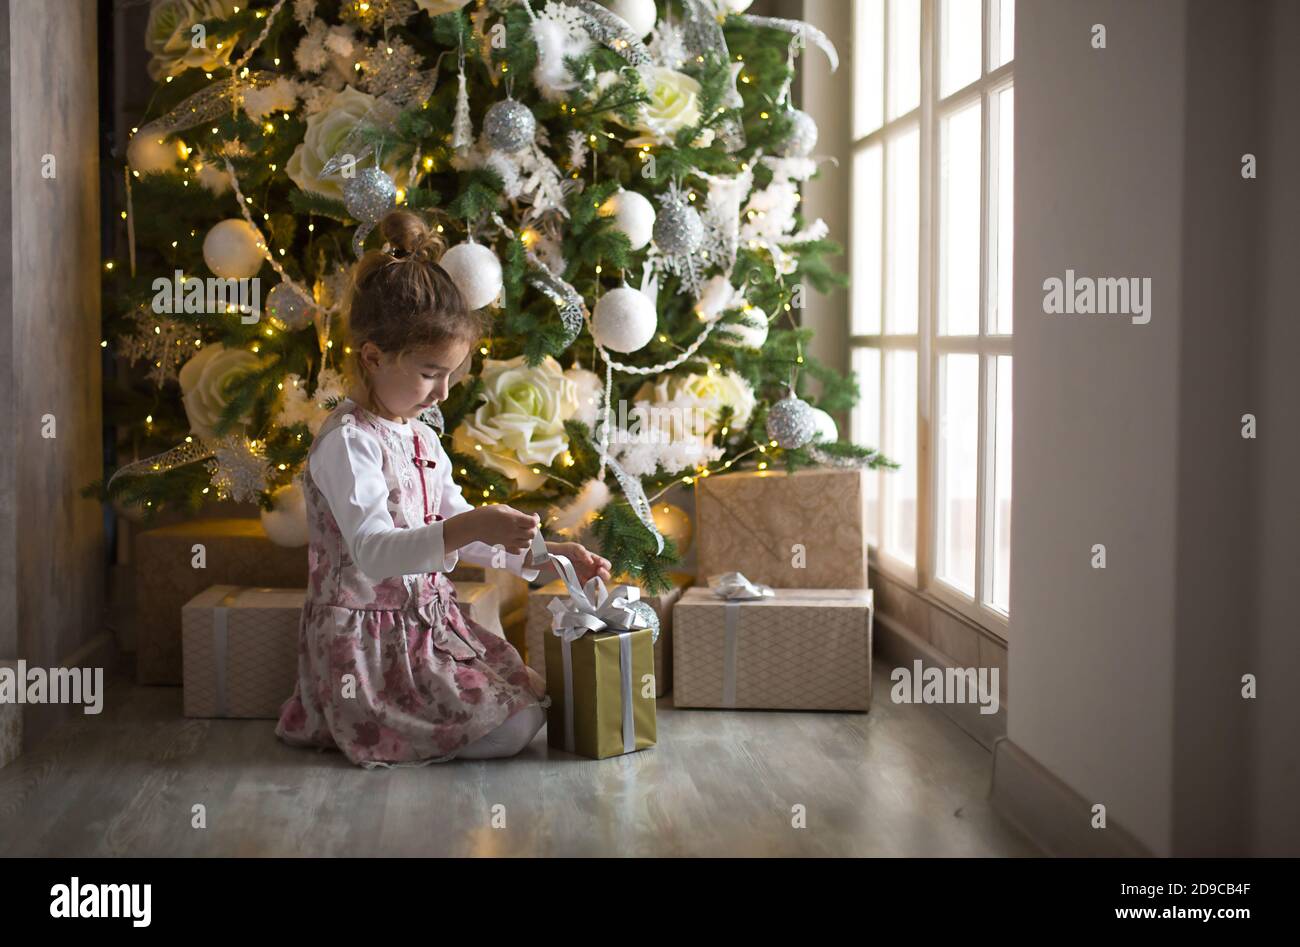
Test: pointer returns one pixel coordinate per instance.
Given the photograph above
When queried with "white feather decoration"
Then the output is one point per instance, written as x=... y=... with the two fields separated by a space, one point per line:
x=559 y=34
x=580 y=511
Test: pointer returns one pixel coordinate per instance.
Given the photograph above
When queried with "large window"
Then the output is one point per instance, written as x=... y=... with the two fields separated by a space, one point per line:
x=931 y=308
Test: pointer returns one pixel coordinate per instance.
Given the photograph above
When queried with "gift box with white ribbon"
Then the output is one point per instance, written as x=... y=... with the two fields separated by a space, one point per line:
x=797 y=649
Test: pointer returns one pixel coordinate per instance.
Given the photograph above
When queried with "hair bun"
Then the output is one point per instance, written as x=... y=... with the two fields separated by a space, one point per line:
x=410 y=236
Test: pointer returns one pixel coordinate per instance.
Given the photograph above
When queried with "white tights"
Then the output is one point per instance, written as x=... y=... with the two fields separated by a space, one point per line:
x=507 y=739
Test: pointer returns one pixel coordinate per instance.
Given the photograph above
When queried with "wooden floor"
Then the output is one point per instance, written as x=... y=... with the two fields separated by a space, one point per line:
x=900 y=781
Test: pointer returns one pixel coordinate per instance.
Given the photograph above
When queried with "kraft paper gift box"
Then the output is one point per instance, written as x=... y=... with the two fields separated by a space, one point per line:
x=790 y=531
x=240 y=646
x=11 y=725
x=482 y=602
x=240 y=650
x=803 y=649
x=540 y=620
x=599 y=706
x=236 y=552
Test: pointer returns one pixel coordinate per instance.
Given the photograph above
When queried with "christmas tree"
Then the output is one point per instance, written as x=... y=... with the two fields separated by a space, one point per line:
x=618 y=183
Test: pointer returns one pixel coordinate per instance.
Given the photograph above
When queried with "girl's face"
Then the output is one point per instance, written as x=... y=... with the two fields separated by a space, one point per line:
x=423 y=376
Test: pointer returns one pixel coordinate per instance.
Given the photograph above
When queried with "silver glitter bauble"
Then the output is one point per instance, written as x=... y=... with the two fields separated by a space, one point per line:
x=649 y=618
x=802 y=138
x=791 y=423
x=289 y=306
x=509 y=126
x=369 y=195
x=678 y=228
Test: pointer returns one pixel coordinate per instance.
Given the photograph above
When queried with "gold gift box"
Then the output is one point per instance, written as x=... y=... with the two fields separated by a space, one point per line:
x=598 y=693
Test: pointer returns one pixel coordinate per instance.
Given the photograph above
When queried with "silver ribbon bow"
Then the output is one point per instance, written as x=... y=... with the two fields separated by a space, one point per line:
x=733 y=586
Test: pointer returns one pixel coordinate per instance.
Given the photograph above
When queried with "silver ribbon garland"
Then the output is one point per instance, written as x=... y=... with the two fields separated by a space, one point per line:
x=703 y=36
x=800 y=29
x=593 y=608
x=206 y=104
x=564 y=296
x=610 y=29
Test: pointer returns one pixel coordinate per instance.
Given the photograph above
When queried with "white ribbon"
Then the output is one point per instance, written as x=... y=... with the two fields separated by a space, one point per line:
x=734 y=588
x=592 y=608
x=221 y=642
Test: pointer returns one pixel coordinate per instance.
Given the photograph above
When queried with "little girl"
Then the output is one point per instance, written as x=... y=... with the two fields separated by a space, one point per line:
x=390 y=669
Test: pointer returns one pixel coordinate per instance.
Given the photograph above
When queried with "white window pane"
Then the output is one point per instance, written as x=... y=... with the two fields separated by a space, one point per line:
x=865 y=315
x=868 y=66
x=958 y=469
x=1001 y=130
x=902 y=230
x=1004 y=31
x=899 y=486
x=866 y=428
x=904 y=56
x=959 y=222
x=1000 y=523
x=959 y=61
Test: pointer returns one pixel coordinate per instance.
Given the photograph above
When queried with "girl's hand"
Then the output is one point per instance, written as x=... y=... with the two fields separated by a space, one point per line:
x=497 y=525
x=586 y=563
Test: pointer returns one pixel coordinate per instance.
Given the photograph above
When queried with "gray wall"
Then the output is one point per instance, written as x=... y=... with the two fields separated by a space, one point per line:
x=53 y=555
x=1126 y=681
x=1275 y=658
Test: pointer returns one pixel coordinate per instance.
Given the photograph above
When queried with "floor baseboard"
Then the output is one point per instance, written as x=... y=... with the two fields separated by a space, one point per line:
x=1050 y=812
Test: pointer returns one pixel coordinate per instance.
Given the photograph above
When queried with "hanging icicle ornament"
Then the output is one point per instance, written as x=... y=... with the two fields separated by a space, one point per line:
x=791 y=422
x=368 y=197
x=509 y=126
x=462 y=128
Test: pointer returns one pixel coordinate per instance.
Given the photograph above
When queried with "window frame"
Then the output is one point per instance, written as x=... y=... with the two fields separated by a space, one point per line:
x=929 y=345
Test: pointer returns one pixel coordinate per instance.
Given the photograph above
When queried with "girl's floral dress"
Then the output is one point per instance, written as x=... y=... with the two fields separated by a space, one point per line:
x=390 y=669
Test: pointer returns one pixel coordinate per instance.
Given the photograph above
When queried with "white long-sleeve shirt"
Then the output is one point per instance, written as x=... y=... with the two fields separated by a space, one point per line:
x=346 y=465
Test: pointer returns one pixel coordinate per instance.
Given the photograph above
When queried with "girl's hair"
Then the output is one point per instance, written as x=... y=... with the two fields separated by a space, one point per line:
x=402 y=299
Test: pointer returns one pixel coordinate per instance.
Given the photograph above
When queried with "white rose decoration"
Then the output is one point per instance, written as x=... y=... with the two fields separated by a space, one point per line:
x=674 y=105
x=169 y=38
x=521 y=421
x=699 y=399
x=203 y=379
x=712 y=392
x=326 y=131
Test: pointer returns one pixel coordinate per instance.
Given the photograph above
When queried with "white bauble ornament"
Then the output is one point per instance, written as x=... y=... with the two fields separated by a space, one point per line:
x=639 y=14
x=825 y=430
x=476 y=271
x=750 y=334
x=634 y=216
x=233 y=249
x=802 y=138
x=152 y=153
x=286 y=522
x=734 y=6
x=624 y=320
